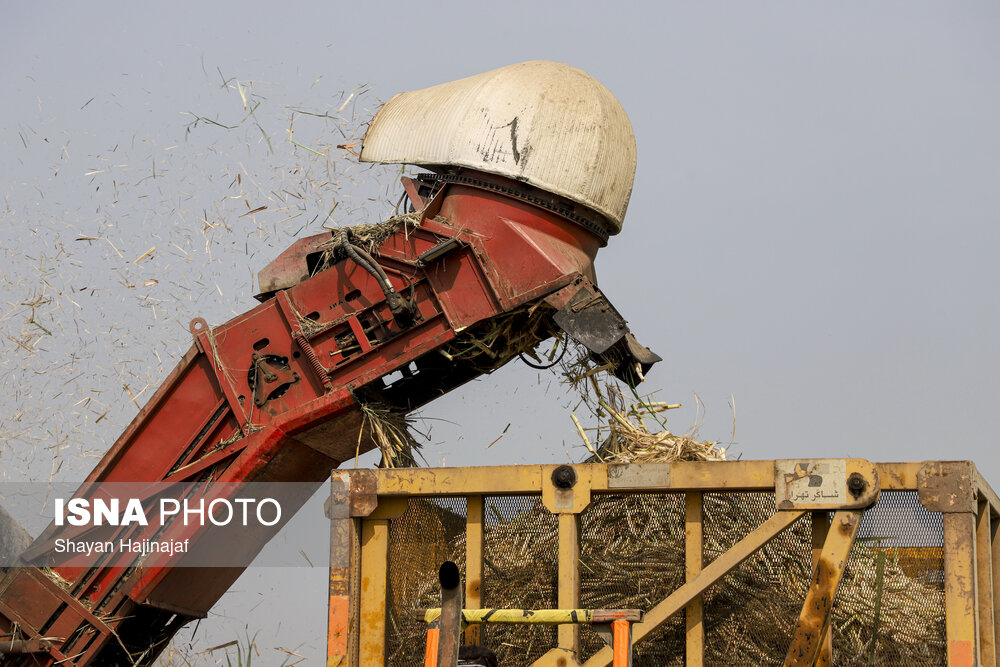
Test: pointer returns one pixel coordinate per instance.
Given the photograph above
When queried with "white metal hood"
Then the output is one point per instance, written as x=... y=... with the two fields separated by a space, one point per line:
x=545 y=123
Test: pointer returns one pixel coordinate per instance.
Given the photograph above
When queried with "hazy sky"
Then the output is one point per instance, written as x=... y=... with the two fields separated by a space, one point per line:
x=813 y=228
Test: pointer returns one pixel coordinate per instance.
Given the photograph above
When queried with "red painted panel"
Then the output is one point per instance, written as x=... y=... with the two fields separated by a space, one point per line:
x=151 y=445
x=465 y=296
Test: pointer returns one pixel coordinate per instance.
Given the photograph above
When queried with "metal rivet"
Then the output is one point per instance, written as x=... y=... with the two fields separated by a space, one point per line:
x=856 y=484
x=564 y=477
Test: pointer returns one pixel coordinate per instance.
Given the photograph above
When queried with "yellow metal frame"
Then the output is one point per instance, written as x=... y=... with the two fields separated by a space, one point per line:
x=618 y=622
x=364 y=503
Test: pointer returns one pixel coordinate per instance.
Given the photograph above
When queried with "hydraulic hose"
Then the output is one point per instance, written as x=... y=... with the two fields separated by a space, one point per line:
x=365 y=261
x=403 y=310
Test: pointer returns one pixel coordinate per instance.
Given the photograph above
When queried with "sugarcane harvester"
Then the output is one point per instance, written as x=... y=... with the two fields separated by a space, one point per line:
x=529 y=169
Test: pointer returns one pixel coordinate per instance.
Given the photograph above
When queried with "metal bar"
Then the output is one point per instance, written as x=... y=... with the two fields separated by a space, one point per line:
x=504 y=480
x=339 y=617
x=988 y=493
x=206 y=341
x=484 y=480
x=820 y=529
x=431 y=654
x=677 y=476
x=960 y=588
x=23 y=646
x=728 y=476
x=995 y=567
x=621 y=643
x=354 y=591
x=374 y=555
x=541 y=616
x=569 y=578
x=451 y=614
x=815 y=616
x=898 y=476
x=694 y=558
x=714 y=571
x=825 y=659
x=984 y=580
x=473 y=561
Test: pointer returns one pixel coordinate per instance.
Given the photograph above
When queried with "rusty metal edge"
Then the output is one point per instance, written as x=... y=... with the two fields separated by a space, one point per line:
x=948 y=486
x=987 y=492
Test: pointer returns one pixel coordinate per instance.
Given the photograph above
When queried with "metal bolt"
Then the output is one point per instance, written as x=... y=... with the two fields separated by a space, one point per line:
x=564 y=477
x=856 y=484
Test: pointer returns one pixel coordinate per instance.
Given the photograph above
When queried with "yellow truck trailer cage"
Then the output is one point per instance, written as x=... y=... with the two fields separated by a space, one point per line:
x=795 y=562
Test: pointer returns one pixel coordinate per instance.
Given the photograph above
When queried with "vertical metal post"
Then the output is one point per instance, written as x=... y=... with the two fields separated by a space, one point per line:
x=984 y=580
x=569 y=578
x=621 y=643
x=995 y=566
x=820 y=529
x=354 y=621
x=960 y=589
x=473 y=562
x=431 y=654
x=342 y=618
x=694 y=561
x=451 y=614
x=374 y=559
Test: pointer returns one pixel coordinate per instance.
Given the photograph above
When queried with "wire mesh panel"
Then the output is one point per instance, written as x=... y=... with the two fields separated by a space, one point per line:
x=431 y=531
x=520 y=570
x=750 y=614
x=890 y=606
x=631 y=557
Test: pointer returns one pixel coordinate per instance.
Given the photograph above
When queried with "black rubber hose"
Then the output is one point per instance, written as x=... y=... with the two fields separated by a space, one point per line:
x=542 y=367
x=365 y=261
x=403 y=310
x=383 y=278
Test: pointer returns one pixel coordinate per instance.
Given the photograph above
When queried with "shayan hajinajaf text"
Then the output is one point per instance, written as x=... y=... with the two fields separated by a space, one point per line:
x=138 y=547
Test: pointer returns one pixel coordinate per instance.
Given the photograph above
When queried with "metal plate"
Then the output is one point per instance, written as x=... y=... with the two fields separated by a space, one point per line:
x=947 y=486
x=811 y=483
x=638 y=475
x=591 y=320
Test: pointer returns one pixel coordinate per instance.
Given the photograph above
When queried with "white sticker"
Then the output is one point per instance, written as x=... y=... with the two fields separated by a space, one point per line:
x=811 y=482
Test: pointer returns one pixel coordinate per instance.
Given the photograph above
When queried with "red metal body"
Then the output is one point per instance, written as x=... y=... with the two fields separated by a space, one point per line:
x=323 y=340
